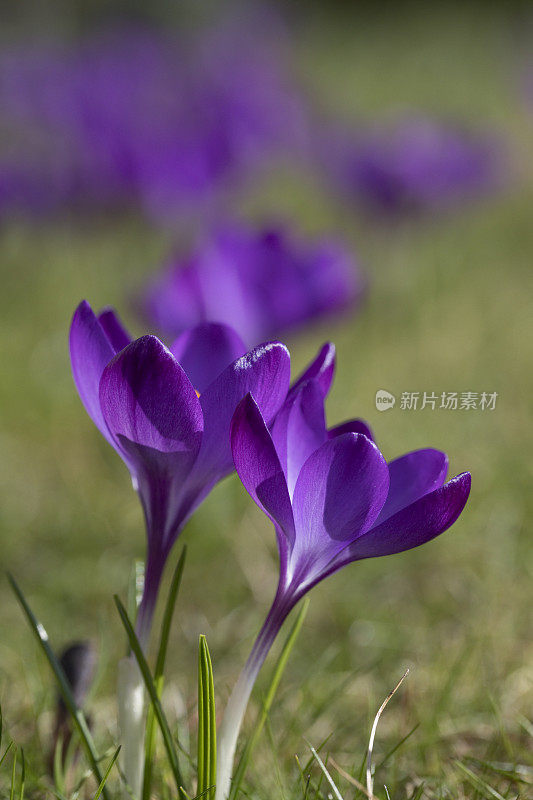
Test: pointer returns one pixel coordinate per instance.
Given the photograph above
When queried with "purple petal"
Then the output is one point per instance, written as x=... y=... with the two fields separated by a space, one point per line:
x=258 y=466
x=114 y=329
x=90 y=352
x=299 y=429
x=322 y=369
x=160 y=478
x=411 y=477
x=265 y=373
x=339 y=494
x=420 y=522
x=352 y=426
x=146 y=397
x=206 y=350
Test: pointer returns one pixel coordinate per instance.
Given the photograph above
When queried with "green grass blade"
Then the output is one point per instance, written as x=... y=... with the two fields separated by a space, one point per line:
x=318 y=790
x=78 y=718
x=321 y=746
x=267 y=703
x=59 y=796
x=169 y=613
x=207 y=746
x=397 y=747
x=479 y=784
x=305 y=778
x=152 y=693
x=6 y=751
x=22 y=774
x=513 y=772
x=13 y=776
x=159 y=673
x=417 y=793
x=305 y=775
x=326 y=774
x=106 y=774
x=57 y=771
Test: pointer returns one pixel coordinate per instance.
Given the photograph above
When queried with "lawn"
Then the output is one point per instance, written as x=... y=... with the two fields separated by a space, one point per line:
x=448 y=309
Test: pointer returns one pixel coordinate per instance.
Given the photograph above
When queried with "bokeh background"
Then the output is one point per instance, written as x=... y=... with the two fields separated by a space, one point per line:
x=447 y=308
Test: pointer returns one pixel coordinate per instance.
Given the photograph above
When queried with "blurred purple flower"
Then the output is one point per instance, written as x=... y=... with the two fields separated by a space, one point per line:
x=167 y=413
x=417 y=165
x=262 y=282
x=137 y=116
x=333 y=499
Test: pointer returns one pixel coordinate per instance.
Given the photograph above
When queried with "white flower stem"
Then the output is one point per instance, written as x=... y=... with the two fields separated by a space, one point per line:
x=238 y=701
x=229 y=730
x=132 y=705
x=131 y=721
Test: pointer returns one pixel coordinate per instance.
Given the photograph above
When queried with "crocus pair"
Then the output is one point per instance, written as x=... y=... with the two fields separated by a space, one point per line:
x=180 y=418
x=262 y=281
x=333 y=499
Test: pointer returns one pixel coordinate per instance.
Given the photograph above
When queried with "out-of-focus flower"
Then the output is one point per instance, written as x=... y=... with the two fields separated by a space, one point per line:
x=417 y=165
x=263 y=282
x=333 y=499
x=78 y=661
x=167 y=413
x=135 y=116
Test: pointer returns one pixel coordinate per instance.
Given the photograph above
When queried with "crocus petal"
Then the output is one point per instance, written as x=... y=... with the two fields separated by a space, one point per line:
x=339 y=494
x=160 y=478
x=206 y=350
x=114 y=329
x=420 y=522
x=321 y=368
x=299 y=429
x=265 y=373
x=146 y=397
x=90 y=352
x=352 y=426
x=258 y=465
x=411 y=477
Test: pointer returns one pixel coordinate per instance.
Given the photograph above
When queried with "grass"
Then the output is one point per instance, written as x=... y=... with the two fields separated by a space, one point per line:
x=449 y=309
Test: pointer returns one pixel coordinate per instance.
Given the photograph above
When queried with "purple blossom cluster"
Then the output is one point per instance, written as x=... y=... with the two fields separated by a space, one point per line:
x=136 y=116
x=133 y=115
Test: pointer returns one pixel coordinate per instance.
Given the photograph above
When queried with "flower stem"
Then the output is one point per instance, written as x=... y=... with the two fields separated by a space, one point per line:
x=238 y=701
x=152 y=580
x=131 y=694
x=131 y=708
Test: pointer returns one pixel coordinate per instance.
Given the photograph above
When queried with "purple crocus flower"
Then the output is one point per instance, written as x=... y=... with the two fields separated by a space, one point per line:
x=263 y=282
x=417 y=165
x=167 y=413
x=333 y=499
